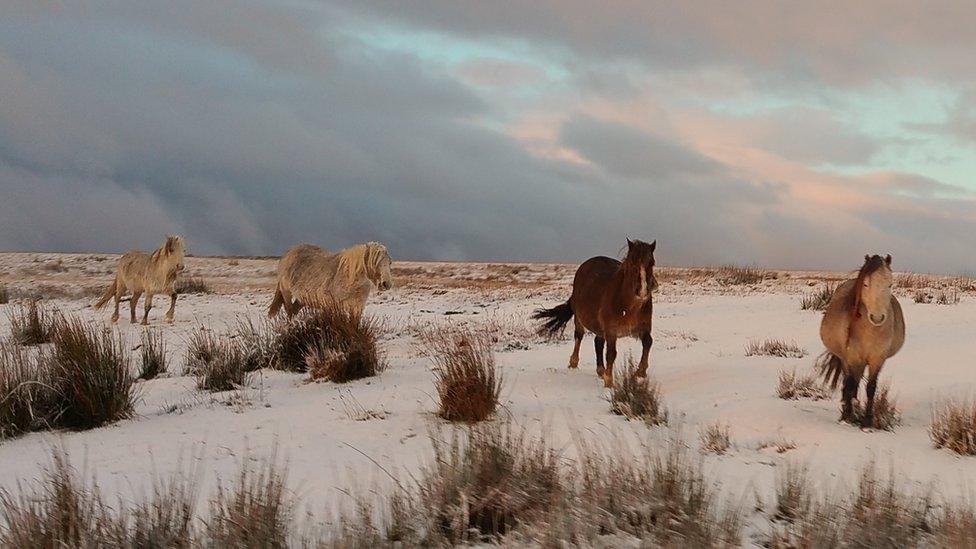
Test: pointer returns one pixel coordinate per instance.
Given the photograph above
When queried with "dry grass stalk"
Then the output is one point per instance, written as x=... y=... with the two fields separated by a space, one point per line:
x=775 y=347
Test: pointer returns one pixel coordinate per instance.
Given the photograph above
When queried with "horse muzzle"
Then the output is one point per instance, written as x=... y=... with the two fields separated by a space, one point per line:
x=877 y=320
x=386 y=285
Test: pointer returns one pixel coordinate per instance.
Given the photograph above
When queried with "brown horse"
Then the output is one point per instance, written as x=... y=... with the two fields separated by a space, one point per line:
x=612 y=300
x=862 y=327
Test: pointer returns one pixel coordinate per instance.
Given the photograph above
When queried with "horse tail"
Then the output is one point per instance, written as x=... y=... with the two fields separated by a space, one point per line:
x=109 y=293
x=277 y=302
x=830 y=367
x=554 y=319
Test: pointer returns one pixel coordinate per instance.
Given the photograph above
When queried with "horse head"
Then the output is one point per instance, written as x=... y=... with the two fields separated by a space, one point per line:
x=873 y=289
x=639 y=263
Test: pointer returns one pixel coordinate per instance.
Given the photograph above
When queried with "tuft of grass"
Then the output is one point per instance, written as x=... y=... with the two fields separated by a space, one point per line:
x=947 y=297
x=31 y=324
x=4 y=294
x=818 y=299
x=468 y=382
x=953 y=427
x=225 y=371
x=201 y=349
x=89 y=373
x=921 y=296
x=794 y=495
x=792 y=386
x=779 y=443
x=775 y=347
x=487 y=482
x=340 y=346
x=25 y=392
x=193 y=285
x=153 y=354
x=636 y=397
x=731 y=275
x=876 y=513
x=886 y=416
x=661 y=497
x=61 y=512
x=254 y=511
x=715 y=438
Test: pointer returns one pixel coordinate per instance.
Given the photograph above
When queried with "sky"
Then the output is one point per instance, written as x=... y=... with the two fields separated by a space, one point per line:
x=779 y=134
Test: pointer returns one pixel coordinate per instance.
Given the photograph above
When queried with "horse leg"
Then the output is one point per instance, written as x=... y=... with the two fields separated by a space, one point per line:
x=286 y=301
x=598 y=345
x=132 y=306
x=577 y=340
x=611 y=357
x=646 y=342
x=172 y=306
x=867 y=421
x=850 y=391
x=148 y=306
x=119 y=288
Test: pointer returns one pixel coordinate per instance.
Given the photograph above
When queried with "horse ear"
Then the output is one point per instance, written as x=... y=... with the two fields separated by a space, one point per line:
x=867 y=257
x=888 y=260
x=170 y=244
x=654 y=245
x=630 y=244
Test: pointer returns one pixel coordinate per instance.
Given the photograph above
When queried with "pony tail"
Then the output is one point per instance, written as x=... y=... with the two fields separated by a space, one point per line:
x=554 y=320
x=830 y=368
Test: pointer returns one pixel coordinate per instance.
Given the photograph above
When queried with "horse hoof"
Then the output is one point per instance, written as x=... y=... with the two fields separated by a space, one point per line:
x=599 y=372
x=607 y=382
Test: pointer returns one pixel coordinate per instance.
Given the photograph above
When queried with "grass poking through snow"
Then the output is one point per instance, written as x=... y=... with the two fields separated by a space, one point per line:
x=810 y=385
x=31 y=324
x=467 y=381
x=953 y=427
x=775 y=347
x=153 y=354
x=636 y=397
x=818 y=299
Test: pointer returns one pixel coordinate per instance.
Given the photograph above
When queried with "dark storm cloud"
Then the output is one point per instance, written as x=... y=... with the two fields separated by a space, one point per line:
x=248 y=127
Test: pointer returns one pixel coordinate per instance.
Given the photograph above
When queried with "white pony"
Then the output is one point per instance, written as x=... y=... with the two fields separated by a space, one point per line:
x=311 y=276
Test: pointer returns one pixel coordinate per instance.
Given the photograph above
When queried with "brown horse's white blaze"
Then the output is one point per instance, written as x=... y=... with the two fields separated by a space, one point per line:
x=611 y=299
x=862 y=327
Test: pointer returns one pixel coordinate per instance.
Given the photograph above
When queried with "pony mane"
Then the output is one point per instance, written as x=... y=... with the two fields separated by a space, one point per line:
x=359 y=260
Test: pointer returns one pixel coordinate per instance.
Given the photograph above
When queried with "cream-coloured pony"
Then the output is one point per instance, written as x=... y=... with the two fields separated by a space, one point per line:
x=149 y=273
x=311 y=276
x=862 y=327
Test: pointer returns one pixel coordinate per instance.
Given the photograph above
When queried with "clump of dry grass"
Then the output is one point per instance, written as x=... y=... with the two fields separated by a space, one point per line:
x=818 y=299
x=731 y=275
x=24 y=392
x=953 y=427
x=468 y=382
x=89 y=374
x=779 y=443
x=255 y=511
x=792 y=386
x=201 y=349
x=487 y=482
x=877 y=513
x=775 y=347
x=61 y=512
x=921 y=296
x=225 y=371
x=193 y=285
x=4 y=294
x=637 y=397
x=31 y=324
x=153 y=354
x=947 y=297
x=793 y=492
x=661 y=497
x=886 y=414
x=339 y=345
x=715 y=438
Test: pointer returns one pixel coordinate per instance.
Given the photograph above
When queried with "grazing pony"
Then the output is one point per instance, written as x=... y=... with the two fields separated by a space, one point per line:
x=315 y=277
x=612 y=299
x=149 y=273
x=862 y=327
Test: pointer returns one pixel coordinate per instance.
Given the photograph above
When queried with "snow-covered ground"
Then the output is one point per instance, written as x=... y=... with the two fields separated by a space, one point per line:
x=701 y=328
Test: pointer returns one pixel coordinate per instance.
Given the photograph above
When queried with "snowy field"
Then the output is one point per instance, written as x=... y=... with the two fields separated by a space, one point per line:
x=701 y=328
